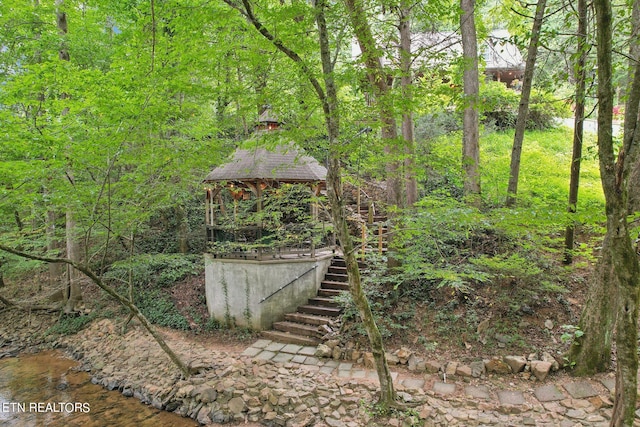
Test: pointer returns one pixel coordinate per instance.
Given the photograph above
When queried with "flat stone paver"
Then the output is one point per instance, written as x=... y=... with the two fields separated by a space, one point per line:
x=274 y=346
x=344 y=374
x=332 y=363
x=548 y=393
x=311 y=361
x=291 y=348
x=609 y=383
x=413 y=383
x=580 y=389
x=261 y=343
x=298 y=358
x=327 y=370
x=478 y=392
x=282 y=358
x=372 y=375
x=345 y=366
x=252 y=351
x=307 y=351
x=358 y=373
x=510 y=397
x=444 y=388
x=265 y=355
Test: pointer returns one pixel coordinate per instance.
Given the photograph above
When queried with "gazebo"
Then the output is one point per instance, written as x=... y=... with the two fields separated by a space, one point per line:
x=238 y=191
x=268 y=246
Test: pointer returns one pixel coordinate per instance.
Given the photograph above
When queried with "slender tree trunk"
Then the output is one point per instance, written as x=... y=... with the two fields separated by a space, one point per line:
x=470 y=128
x=339 y=215
x=329 y=103
x=634 y=58
x=183 y=229
x=378 y=83
x=627 y=269
x=406 y=82
x=53 y=247
x=578 y=129
x=619 y=263
x=523 y=108
x=73 y=294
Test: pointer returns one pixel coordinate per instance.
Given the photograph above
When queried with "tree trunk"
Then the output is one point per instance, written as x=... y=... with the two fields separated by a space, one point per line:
x=339 y=215
x=183 y=229
x=406 y=82
x=329 y=103
x=627 y=269
x=620 y=271
x=471 y=84
x=578 y=129
x=53 y=247
x=378 y=83
x=73 y=294
x=523 y=108
x=632 y=99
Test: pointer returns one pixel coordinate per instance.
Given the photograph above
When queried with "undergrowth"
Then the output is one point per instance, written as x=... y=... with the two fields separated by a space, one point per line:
x=152 y=277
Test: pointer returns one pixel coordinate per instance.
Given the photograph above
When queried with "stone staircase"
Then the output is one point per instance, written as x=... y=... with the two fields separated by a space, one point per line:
x=305 y=326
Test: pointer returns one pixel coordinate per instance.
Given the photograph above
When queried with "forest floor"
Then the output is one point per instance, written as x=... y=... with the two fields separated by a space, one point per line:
x=449 y=326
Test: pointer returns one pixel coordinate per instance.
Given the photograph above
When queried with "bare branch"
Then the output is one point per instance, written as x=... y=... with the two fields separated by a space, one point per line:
x=112 y=292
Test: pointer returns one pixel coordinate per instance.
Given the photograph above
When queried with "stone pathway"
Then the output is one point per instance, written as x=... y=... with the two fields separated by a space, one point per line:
x=471 y=401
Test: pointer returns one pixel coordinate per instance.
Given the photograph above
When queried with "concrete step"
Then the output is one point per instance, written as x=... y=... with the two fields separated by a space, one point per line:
x=339 y=262
x=297 y=329
x=323 y=301
x=308 y=319
x=289 y=338
x=334 y=269
x=329 y=284
x=336 y=277
x=322 y=292
x=319 y=310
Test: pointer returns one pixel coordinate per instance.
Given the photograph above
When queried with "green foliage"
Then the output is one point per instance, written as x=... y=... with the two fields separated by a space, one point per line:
x=159 y=309
x=499 y=106
x=72 y=324
x=152 y=276
x=155 y=271
x=571 y=332
x=284 y=220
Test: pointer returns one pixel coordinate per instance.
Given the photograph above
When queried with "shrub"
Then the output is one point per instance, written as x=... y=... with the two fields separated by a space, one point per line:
x=155 y=271
x=499 y=107
x=160 y=310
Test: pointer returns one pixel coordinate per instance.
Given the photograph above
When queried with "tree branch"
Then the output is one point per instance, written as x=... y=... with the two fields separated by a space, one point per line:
x=112 y=292
x=247 y=11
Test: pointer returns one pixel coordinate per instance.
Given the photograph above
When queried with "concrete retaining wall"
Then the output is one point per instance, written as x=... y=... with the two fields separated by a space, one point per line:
x=235 y=288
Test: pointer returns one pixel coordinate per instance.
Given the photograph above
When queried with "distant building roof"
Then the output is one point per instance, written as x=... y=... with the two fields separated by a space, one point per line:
x=439 y=46
x=285 y=163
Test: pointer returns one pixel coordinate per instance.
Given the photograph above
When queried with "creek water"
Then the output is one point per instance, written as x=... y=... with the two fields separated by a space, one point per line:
x=44 y=389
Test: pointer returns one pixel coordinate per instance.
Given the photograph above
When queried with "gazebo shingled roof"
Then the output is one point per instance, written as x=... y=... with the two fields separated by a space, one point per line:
x=284 y=164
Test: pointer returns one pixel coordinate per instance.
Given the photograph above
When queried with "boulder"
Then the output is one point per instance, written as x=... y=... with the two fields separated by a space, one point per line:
x=497 y=365
x=477 y=369
x=540 y=369
x=323 y=350
x=516 y=363
x=463 y=371
x=432 y=366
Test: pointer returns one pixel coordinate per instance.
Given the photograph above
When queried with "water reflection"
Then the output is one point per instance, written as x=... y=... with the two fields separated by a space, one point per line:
x=44 y=390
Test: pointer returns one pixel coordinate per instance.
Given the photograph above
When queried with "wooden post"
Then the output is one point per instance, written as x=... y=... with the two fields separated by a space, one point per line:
x=364 y=241
x=207 y=211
